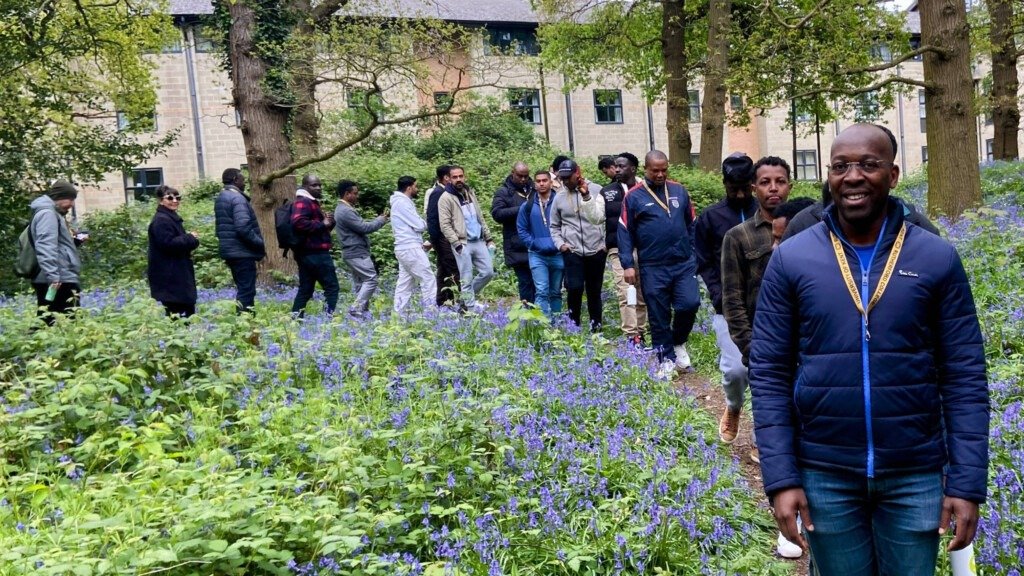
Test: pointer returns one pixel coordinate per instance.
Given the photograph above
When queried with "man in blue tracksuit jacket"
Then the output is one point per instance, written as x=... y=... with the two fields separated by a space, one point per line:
x=658 y=221
x=867 y=368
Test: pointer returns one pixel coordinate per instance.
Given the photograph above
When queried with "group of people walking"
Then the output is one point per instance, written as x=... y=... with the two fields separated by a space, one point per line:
x=850 y=319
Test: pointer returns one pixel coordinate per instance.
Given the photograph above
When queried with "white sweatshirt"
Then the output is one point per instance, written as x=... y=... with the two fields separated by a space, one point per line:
x=406 y=223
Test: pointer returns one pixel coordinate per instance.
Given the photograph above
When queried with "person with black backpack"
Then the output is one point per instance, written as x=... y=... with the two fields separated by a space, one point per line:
x=312 y=248
x=56 y=250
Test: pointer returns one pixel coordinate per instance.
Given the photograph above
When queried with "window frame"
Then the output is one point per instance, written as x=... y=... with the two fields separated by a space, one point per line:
x=139 y=188
x=518 y=42
x=803 y=165
x=526 y=102
x=921 y=111
x=124 y=124
x=693 y=100
x=613 y=108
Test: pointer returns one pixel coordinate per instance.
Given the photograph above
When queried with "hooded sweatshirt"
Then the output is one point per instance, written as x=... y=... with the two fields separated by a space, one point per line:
x=55 y=247
x=578 y=222
x=406 y=222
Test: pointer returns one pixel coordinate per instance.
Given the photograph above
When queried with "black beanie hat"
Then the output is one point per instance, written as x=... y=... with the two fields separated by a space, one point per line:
x=62 y=189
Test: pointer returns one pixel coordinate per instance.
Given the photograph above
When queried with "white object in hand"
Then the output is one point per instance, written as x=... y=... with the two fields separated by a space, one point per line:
x=630 y=295
x=962 y=562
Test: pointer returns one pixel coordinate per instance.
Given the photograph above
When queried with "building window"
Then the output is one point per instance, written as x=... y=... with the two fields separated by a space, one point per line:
x=442 y=100
x=806 y=165
x=736 y=102
x=881 y=52
x=694 y=105
x=238 y=118
x=204 y=42
x=174 y=46
x=142 y=183
x=128 y=124
x=867 y=109
x=608 y=106
x=924 y=154
x=989 y=149
x=915 y=43
x=526 y=103
x=921 y=111
x=512 y=41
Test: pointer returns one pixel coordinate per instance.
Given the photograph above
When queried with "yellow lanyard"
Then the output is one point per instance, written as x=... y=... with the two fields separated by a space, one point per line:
x=883 y=282
x=664 y=205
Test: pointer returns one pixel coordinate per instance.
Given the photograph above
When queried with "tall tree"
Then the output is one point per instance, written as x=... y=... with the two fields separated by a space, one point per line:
x=847 y=57
x=713 y=109
x=285 y=56
x=66 y=70
x=1004 y=98
x=954 y=178
x=655 y=46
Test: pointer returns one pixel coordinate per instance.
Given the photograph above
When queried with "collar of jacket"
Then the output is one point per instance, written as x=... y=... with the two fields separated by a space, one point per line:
x=893 y=222
x=305 y=194
x=234 y=188
x=523 y=191
x=463 y=198
x=760 y=220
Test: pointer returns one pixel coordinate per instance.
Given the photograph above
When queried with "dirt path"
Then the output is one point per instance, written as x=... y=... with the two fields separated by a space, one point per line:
x=710 y=397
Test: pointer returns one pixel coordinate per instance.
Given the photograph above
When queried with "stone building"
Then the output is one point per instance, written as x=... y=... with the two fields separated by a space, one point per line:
x=194 y=98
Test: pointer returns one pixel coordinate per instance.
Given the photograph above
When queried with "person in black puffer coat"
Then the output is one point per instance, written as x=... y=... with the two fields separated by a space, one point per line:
x=171 y=275
x=241 y=242
x=505 y=209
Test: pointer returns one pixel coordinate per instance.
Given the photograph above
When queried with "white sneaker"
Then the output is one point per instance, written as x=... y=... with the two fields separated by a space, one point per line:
x=787 y=549
x=682 y=357
x=667 y=370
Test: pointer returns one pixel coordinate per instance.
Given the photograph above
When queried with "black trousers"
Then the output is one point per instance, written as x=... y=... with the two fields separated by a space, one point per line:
x=64 y=302
x=182 y=309
x=243 y=272
x=585 y=274
x=316 y=267
x=448 y=279
x=524 y=281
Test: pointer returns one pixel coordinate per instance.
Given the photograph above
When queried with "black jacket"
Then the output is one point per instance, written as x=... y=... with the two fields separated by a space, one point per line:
x=613 y=194
x=712 y=225
x=433 y=222
x=172 y=278
x=505 y=209
x=237 y=229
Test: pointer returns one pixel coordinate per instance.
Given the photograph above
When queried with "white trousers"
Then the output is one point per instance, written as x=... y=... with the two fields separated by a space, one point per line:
x=413 y=269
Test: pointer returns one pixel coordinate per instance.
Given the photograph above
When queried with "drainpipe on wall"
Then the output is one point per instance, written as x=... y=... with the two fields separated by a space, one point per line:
x=650 y=128
x=190 y=70
x=568 y=117
x=903 y=138
x=544 y=105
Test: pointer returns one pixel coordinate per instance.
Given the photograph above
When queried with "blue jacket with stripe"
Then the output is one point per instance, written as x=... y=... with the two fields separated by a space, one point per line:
x=904 y=392
x=660 y=238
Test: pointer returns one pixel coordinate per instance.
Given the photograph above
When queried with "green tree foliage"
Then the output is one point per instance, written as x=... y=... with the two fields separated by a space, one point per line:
x=65 y=68
x=827 y=55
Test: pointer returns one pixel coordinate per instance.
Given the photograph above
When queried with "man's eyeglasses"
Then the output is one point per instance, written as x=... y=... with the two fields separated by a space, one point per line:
x=866 y=167
x=173 y=197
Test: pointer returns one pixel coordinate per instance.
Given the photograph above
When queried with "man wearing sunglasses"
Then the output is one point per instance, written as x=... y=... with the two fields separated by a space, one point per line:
x=867 y=368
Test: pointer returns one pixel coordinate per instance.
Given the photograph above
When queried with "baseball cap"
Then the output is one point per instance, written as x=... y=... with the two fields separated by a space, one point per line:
x=567 y=168
x=738 y=167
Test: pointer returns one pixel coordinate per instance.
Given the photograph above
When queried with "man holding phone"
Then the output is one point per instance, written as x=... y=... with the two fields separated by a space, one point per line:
x=355 y=246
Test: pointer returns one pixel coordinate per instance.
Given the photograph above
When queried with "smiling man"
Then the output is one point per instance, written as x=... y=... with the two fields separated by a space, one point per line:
x=867 y=370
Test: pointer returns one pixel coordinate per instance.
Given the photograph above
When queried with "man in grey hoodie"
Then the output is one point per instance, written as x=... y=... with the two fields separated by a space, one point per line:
x=410 y=250
x=56 y=285
x=355 y=246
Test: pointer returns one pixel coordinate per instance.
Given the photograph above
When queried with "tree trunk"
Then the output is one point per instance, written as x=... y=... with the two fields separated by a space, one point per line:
x=305 y=121
x=673 y=54
x=1005 y=110
x=954 y=180
x=264 y=126
x=713 y=110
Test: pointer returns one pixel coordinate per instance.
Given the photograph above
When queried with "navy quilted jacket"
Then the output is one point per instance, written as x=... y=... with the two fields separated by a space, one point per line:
x=906 y=393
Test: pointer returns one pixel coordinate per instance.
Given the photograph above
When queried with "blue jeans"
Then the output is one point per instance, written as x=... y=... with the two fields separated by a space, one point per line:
x=547 y=280
x=316 y=267
x=873 y=526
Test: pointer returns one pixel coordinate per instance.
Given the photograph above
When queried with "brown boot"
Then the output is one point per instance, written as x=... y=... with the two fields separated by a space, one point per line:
x=729 y=426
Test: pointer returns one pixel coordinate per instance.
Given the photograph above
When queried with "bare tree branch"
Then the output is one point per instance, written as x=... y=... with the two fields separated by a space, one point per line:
x=865 y=89
x=897 y=61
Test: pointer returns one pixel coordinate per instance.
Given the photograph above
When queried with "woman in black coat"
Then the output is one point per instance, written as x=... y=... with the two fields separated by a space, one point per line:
x=172 y=278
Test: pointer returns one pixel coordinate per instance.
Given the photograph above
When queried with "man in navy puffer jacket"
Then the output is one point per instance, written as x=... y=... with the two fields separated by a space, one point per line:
x=241 y=241
x=873 y=427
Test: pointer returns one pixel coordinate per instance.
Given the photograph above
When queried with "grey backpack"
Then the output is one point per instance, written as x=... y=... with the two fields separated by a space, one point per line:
x=26 y=266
